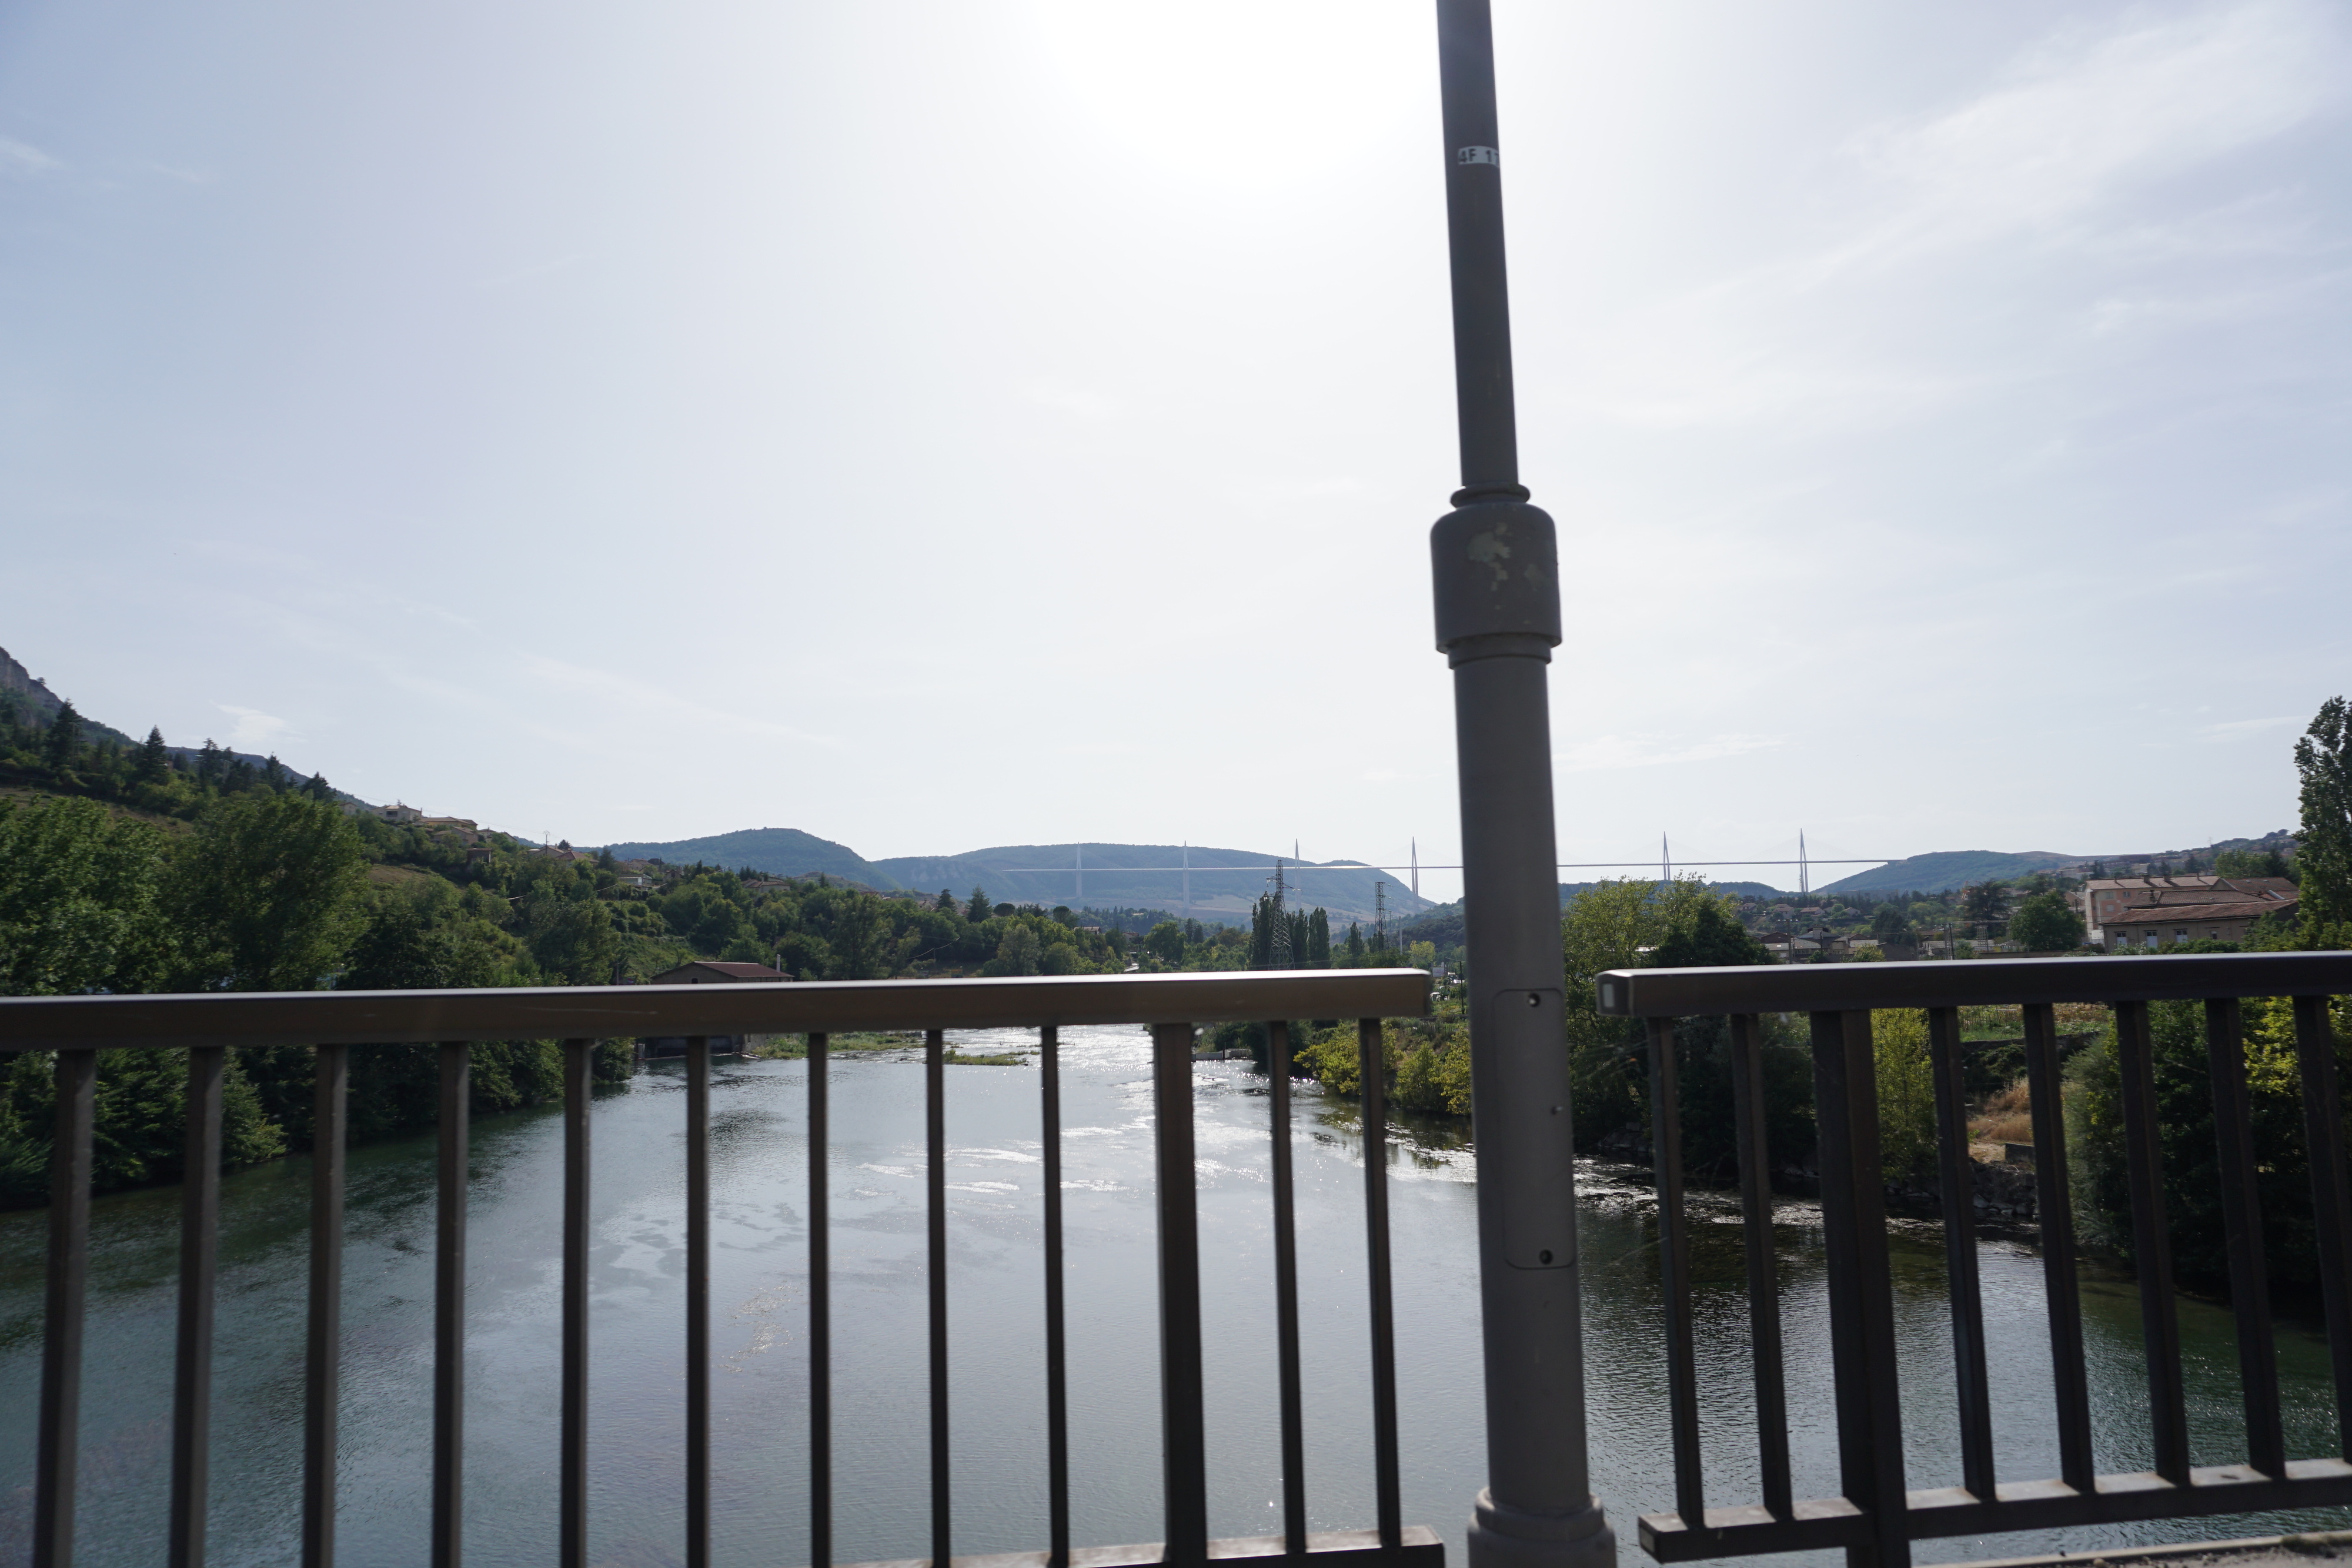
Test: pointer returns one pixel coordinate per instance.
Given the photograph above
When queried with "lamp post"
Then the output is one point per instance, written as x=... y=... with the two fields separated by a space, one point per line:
x=1495 y=571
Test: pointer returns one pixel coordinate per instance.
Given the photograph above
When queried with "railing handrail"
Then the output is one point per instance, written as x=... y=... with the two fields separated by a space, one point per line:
x=1968 y=982
x=603 y=1012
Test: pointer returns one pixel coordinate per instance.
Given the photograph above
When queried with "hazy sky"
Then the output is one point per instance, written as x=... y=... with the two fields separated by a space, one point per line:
x=942 y=425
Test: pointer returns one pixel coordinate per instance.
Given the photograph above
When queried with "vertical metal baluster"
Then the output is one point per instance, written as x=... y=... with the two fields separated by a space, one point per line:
x=2250 y=1301
x=1285 y=1299
x=449 y=1308
x=2331 y=1205
x=1956 y=1176
x=1371 y=1054
x=323 y=1351
x=697 y=1300
x=820 y=1315
x=192 y=1391
x=1861 y=1302
x=820 y=1312
x=1763 y=1273
x=1057 y=1388
x=2054 y=1213
x=1673 y=1273
x=579 y=1069
x=2167 y=1405
x=1183 y=1443
x=935 y=1136
x=76 y=1076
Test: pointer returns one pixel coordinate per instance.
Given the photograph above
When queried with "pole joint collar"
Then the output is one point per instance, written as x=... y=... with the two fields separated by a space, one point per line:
x=1496 y=566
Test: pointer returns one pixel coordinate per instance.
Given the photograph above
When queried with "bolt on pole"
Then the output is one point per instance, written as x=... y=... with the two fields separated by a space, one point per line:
x=1495 y=569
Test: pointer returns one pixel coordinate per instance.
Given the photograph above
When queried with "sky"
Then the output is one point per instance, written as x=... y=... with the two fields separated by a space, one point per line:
x=942 y=425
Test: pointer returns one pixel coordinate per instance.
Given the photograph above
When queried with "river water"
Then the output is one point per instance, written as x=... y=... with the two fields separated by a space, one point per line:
x=760 y=1293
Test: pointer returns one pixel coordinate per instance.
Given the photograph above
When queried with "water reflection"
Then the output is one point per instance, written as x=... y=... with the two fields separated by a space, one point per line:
x=759 y=1289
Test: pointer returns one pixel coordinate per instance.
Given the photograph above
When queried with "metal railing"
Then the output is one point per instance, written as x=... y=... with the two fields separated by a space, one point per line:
x=77 y=1028
x=1876 y=1519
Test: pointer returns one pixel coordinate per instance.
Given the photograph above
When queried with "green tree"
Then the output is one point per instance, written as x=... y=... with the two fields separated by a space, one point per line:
x=1985 y=904
x=154 y=757
x=1165 y=942
x=1018 y=954
x=1639 y=922
x=63 y=743
x=570 y=934
x=979 y=908
x=78 y=910
x=421 y=938
x=1906 y=1092
x=267 y=895
x=139 y=1126
x=2324 y=852
x=2046 y=923
x=947 y=903
x=2252 y=863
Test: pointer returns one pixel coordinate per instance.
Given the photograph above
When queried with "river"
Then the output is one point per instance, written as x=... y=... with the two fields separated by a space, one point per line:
x=760 y=1292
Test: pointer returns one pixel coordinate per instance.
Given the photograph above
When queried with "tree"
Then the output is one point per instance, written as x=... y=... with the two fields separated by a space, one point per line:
x=2252 y=863
x=979 y=908
x=1018 y=952
x=63 y=742
x=1985 y=903
x=947 y=903
x=2046 y=923
x=318 y=789
x=570 y=934
x=421 y=937
x=1165 y=942
x=154 y=757
x=1906 y=1092
x=77 y=900
x=266 y=894
x=2324 y=855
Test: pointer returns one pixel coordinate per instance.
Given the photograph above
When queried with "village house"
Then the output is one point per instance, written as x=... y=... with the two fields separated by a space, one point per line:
x=2158 y=911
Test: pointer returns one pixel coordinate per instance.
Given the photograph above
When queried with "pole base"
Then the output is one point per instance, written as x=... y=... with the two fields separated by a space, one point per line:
x=1504 y=1537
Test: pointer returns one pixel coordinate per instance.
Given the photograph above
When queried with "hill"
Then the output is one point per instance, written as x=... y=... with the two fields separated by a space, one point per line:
x=1947 y=869
x=1224 y=882
x=31 y=694
x=779 y=852
x=1442 y=923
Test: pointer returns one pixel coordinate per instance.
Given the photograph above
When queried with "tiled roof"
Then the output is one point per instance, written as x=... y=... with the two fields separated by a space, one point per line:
x=2190 y=913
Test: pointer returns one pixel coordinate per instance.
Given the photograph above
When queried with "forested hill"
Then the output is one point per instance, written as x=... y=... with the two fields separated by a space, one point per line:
x=778 y=851
x=1947 y=869
x=1049 y=873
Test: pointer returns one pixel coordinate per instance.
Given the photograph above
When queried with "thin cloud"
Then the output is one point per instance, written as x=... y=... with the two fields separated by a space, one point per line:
x=2239 y=729
x=254 y=730
x=645 y=696
x=2052 y=155
x=1608 y=753
x=22 y=158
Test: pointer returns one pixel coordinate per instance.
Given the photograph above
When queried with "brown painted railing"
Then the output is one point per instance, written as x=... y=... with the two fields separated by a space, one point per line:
x=77 y=1028
x=1875 y=1519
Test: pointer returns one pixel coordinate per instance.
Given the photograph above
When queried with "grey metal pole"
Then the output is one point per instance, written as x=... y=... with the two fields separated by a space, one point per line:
x=1496 y=566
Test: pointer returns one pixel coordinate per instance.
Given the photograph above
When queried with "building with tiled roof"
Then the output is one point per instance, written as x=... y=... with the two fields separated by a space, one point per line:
x=2158 y=911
